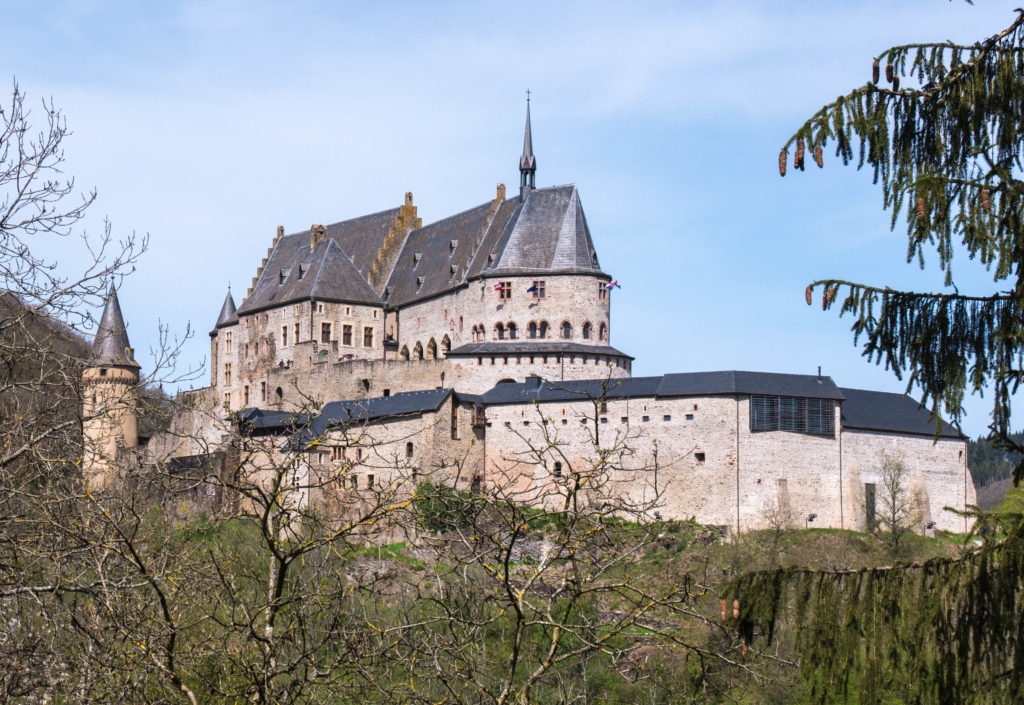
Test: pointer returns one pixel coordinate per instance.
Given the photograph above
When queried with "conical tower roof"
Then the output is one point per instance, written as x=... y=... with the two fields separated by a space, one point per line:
x=528 y=162
x=227 y=312
x=111 y=346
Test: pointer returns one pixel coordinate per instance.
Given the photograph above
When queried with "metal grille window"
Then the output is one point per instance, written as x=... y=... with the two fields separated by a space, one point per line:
x=795 y=414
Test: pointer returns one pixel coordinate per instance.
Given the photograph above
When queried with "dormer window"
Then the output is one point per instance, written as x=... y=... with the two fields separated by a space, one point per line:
x=452 y=244
x=490 y=260
x=417 y=256
x=282 y=275
x=419 y=283
x=302 y=272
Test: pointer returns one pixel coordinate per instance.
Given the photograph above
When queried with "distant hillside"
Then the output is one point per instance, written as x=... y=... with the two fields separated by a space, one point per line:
x=991 y=464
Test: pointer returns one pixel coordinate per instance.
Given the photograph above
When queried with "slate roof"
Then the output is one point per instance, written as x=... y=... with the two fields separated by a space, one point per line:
x=228 y=314
x=111 y=346
x=428 y=256
x=548 y=233
x=295 y=272
x=740 y=382
x=340 y=264
x=536 y=346
x=336 y=413
x=894 y=413
x=671 y=385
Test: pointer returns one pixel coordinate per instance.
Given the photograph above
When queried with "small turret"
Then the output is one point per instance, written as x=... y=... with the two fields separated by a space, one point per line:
x=527 y=162
x=110 y=404
x=227 y=312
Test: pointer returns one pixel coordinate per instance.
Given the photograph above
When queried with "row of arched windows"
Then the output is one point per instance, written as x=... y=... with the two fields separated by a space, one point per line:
x=426 y=353
x=538 y=330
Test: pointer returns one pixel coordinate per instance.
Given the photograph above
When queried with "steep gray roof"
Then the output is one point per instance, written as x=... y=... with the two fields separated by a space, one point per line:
x=111 y=346
x=295 y=272
x=549 y=233
x=895 y=413
x=431 y=253
x=228 y=314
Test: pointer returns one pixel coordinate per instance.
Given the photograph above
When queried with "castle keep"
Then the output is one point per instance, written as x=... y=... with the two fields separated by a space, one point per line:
x=479 y=347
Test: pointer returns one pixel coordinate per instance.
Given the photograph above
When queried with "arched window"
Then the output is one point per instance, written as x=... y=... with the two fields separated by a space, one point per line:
x=321 y=356
x=512 y=331
x=405 y=352
x=586 y=330
x=499 y=330
x=566 y=330
x=603 y=332
x=543 y=331
x=446 y=345
x=417 y=351
x=432 y=349
x=531 y=330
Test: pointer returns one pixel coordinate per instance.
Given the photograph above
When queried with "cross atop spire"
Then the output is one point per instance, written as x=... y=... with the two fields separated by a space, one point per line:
x=527 y=162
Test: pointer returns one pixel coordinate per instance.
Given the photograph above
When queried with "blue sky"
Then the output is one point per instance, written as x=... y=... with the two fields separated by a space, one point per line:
x=207 y=124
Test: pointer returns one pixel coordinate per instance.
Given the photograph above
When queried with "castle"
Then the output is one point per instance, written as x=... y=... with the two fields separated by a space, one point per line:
x=481 y=343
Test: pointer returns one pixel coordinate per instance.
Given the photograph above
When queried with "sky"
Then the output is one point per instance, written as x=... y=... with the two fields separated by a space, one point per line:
x=207 y=124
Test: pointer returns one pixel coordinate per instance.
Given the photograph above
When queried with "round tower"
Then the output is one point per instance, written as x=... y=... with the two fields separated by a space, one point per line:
x=110 y=404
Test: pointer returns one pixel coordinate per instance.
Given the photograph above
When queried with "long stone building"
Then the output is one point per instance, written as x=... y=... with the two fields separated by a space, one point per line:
x=481 y=344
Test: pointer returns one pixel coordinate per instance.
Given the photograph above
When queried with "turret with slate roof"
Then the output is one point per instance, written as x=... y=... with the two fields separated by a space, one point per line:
x=111 y=380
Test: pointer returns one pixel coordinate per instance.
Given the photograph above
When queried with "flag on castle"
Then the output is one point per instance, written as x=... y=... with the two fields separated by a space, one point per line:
x=611 y=285
x=532 y=289
x=497 y=287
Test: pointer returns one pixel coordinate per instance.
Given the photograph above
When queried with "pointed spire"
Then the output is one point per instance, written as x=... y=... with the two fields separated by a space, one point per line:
x=527 y=162
x=227 y=311
x=111 y=346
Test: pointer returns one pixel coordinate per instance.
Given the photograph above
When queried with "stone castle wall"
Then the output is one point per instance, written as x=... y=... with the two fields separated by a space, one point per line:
x=679 y=457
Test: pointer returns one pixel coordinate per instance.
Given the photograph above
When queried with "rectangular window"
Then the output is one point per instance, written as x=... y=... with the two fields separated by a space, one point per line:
x=227 y=374
x=325 y=332
x=869 y=505
x=699 y=457
x=227 y=400
x=368 y=337
x=538 y=289
x=646 y=419
x=667 y=417
x=794 y=414
x=455 y=422
x=296 y=333
x=263 y=391
x=346 y=334
x=227 y=342
x=245 y=395
x=369 y=482
x=284 y=336
x=504 y=290
x=689 y=417
x=602 y=292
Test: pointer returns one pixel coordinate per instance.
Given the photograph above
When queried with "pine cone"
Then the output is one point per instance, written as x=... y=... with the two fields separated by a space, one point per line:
x=921 y=213
x=889 y=73
x=809 y=294
x=818 y=157
x=735 y=609
x=986 y=202
x=874 y=72
x=782 y=163
x=798 y=156
x=830 y=293
x=896 y=83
